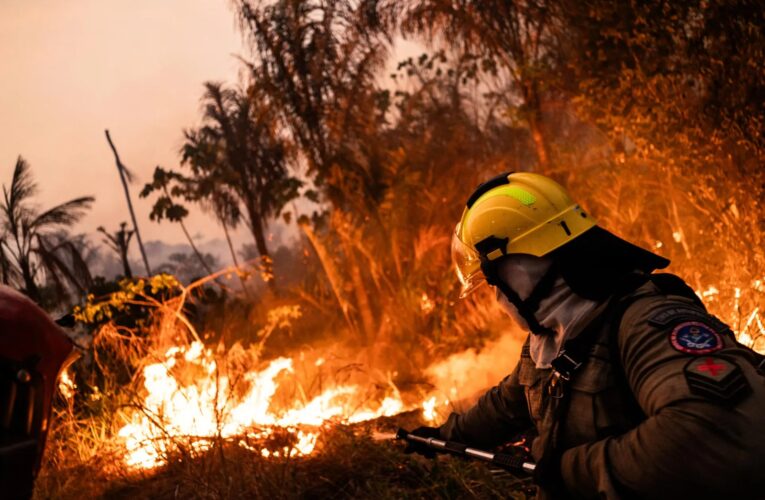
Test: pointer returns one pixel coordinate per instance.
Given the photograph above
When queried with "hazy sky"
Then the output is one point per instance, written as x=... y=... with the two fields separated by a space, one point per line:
x=71 y=68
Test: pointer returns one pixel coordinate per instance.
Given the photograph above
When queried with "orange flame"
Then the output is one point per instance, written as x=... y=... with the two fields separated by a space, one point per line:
x=206 y=406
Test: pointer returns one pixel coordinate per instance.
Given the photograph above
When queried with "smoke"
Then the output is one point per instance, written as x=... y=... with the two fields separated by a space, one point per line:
x=461 y=378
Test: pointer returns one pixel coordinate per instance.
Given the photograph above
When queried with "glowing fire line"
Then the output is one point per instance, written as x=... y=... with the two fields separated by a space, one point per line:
x=205 y=407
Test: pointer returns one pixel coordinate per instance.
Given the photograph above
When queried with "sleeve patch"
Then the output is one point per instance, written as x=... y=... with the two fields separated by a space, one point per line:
x=716 y=379
x=693 y=337
x=680 y=313
x=675 y=313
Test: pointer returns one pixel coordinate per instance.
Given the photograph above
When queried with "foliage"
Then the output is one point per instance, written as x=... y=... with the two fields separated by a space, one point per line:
x=141 y=292
x=33 y=244
x=675 y=161
x=237 y=164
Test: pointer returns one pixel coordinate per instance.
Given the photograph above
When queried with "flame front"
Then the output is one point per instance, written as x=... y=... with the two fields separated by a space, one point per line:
x=200 y=403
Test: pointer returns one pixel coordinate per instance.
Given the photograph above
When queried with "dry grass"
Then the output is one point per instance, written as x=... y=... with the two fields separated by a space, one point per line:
x=348 y=463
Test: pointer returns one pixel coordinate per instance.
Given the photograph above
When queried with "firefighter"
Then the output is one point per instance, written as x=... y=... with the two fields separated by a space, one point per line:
x=33 y=350
x=632 y=388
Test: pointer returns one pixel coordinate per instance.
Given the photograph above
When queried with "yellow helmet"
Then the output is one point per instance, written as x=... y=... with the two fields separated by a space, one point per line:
x=515 y=213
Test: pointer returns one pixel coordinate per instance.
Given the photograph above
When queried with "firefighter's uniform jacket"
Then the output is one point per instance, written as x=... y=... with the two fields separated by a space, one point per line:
x=680 y=414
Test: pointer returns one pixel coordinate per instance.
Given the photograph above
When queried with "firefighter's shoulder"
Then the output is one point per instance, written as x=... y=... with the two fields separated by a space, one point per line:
x=671 y=348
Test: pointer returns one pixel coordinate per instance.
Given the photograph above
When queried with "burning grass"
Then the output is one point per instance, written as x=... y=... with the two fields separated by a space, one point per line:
x=193 y=393
x=202 y=423
x=154 y=412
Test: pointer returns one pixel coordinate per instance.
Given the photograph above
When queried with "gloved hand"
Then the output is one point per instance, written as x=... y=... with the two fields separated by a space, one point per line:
x=427 y=432
x=547 y=474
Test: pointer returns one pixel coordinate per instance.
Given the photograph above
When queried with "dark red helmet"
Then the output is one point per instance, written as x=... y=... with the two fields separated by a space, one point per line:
x=33 y=350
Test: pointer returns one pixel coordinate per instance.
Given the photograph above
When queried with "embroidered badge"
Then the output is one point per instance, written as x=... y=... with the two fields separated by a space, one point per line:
x=675 y=314
x=693 y=337
x=717 y=379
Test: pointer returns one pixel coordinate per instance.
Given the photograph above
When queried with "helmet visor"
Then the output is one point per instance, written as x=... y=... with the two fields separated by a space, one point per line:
x=467 y=265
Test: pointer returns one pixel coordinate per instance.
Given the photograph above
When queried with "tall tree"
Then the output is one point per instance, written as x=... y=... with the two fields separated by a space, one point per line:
x=125 y=177
x=33 y=246
x=315 y=62
x=238 y=164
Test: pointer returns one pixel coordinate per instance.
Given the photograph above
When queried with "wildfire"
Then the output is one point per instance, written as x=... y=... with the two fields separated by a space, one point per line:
x=190 y=397
x=195 y=397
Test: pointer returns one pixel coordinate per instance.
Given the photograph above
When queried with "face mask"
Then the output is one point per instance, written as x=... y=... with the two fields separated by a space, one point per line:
x=522 y=281
x=511 y=310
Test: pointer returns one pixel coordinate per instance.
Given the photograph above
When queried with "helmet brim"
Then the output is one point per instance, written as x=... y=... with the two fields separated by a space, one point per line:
x=467 y=265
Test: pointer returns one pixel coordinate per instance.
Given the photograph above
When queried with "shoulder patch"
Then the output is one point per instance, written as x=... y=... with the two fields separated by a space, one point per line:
x=679 y=313
x=717 y=379
x=676 y=313
x=693 y=337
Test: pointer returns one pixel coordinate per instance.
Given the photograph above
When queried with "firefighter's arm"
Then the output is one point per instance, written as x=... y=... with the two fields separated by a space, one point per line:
x=498 y=415
x=705 y=408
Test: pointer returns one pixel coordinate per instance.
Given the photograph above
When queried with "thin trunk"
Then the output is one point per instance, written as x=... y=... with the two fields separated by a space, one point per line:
x=33 y=292
x=121 y=170
x=260 y=243
x=540 y=145
x=190 y=240
x=195 y=249
x=333 y=276
x=362 y=302
x=125 y=263
x=233 y=257
x=532 y=103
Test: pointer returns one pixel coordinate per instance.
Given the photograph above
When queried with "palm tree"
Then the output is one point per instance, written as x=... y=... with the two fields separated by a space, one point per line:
x=119 y=241
x=239 y=163
x=33 y=244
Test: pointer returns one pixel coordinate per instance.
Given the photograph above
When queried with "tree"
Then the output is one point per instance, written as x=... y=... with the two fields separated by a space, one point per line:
x=125 y=177
x=315 y=63
x=514 y=35
x=119 y=241
x=678 y=109
x=33 y=246
x=238 y=164
x=166 y=208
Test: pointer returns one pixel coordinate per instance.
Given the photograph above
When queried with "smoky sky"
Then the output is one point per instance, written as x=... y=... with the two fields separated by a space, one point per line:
x=71 y=68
